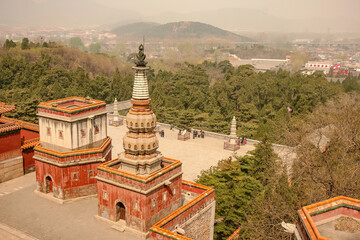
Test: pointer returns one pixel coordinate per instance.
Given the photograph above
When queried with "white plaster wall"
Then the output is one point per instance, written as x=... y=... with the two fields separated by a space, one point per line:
x=54 y=137
x=72 y=137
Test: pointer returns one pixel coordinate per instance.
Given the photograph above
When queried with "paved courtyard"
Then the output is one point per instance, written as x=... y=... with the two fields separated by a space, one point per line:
x=25 y=215
x=195 y=154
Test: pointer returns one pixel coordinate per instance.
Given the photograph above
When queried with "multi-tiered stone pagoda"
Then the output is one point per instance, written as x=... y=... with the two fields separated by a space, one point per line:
x=142 y=191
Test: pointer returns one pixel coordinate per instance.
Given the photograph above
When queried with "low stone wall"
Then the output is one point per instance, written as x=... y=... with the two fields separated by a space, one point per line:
x=11 y=168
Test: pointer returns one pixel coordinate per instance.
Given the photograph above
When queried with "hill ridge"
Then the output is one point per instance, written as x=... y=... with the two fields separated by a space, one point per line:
x=176 y=30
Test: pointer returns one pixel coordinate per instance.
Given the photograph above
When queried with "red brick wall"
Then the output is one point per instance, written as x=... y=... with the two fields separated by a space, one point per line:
x=29 y=161
x=27 y=134
x=10 y=142
x=338 y=211
x=62 y=177
x=143 y=218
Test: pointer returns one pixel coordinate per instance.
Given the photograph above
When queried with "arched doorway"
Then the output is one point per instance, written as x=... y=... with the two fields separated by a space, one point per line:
x=120 y=211
x=48 y=184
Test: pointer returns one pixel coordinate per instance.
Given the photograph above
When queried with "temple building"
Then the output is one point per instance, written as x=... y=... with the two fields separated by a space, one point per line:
x=141 y=190
x=333 y=219
x=17 y=141
x=73 y=143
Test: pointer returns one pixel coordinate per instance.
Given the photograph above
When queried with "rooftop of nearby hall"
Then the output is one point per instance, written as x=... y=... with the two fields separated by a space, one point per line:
x=71 y=105
x=4 y=108
x=331 y=219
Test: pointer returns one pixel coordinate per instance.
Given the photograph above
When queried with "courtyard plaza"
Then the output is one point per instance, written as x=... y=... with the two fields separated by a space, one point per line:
x=26 y=215
x=195 y=154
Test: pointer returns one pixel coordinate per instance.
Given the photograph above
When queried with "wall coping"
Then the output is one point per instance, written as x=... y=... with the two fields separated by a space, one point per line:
x=107 y=167
x=158 y=227
x=305 y=213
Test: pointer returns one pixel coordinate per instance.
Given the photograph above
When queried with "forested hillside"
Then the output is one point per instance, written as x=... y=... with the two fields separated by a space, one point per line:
x=32 y=76
x=203 y=96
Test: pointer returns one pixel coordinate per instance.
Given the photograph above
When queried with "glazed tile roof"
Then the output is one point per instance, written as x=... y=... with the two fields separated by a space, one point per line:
x=71 y=105
x=107 y=167
x=9 y=127
x=23 y=124
x=4 y=108
x=67 y=154
x=30 y=143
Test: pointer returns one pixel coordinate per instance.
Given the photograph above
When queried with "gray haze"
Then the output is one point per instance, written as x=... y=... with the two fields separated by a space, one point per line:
x=323 y=16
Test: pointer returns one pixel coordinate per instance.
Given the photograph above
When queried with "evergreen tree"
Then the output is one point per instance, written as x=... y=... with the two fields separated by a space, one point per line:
x=25 y=44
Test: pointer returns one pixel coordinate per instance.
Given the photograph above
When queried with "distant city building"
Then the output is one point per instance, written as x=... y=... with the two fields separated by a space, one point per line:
x=324 y=66
x=17 y=140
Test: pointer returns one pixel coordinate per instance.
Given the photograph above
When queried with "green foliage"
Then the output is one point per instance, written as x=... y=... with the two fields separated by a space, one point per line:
x=26 y=85
x=95 y=47
x=235 y=191
x=25 y=44
x=259 y=101
x=252 y=192
x=351 y=84
x=76 y=42
x=9 y=44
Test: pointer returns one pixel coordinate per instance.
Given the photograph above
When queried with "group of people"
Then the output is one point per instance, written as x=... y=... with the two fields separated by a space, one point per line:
x=199 y=134
x=162 y=133
x=242 y=140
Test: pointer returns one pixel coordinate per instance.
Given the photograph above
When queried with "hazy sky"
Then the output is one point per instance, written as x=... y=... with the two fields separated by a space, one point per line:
x=235 y=15
x=282 y=8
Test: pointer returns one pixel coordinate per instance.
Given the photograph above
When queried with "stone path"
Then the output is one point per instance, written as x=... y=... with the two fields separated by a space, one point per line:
x=24 y=214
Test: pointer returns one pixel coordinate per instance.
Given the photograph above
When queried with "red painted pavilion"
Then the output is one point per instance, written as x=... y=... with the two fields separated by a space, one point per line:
x=73 y=143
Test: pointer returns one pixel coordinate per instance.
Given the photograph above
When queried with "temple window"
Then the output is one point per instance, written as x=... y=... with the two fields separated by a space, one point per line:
x=82 y=133
x=142 y=147
x=91 y=174
x=164 y=196
x=152 y=123
x=135 y=147
x=136 y=205
x=131 y=124
x=136 y=124
x=153 y=144
x=61 y=135
x=149 y=146
x=48 y=131
x=75 y=176
x=96 y=131
x=129 y=146
x=174 y=191
x=153 y=204
x=148 y=124
x=142 y=124
x=105 y=195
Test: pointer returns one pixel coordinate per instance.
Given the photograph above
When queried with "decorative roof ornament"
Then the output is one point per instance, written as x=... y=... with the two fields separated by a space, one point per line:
x=141 y=57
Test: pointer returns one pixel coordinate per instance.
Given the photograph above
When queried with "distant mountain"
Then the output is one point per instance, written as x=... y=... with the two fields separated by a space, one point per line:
x=176 y=30
x=134 y=30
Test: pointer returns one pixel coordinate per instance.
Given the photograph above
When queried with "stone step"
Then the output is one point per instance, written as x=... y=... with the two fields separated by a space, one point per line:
x=119 y=226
